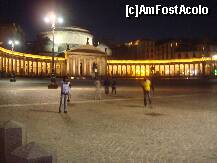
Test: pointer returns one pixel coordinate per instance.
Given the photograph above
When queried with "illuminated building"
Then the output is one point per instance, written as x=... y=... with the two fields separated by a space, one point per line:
x=170 y=59
x=70 y=37
x=87 y=59
x=75 y=55
x=163 y=59
x=173 y=68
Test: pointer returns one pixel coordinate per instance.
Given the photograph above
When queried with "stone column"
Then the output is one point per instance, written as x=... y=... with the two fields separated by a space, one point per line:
x=140 y=70
x=112 y=70
x=5 y=60
x=28 y=67
x=36 y=67
x=126 y=70
x=12 y=64
x=46 y=71
x=15 y=68
x=179 y=70
x=60 y=64
x=85 y=68
x=203 y=69
x=19 y=60
x=24 y=66
x=2 y=63
x=194 y=69
x=184 y=70
x=68 y=64
x=32 y=72
x=70 y=67
x=189 y=70
x=11 y=134
x=73 y=65
x=8 y=64
x=78 y=66
x=90 y=66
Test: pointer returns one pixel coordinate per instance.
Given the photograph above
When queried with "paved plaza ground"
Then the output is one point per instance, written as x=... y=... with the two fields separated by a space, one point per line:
x=181 y=126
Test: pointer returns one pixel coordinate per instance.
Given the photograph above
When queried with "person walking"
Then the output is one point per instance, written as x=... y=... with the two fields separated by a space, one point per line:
x=114 y=86
x=146 y=91
x=98 y=89
x=64 y=93
x=106 y=85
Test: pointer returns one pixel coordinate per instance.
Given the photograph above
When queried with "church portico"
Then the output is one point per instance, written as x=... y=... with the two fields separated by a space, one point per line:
x=86 y=61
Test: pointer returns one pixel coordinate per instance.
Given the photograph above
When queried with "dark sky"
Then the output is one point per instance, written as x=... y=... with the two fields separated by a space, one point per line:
x=106 y=18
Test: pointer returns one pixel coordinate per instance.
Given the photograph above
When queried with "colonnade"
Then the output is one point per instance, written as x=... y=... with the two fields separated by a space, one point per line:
x=166 y=68
x=86 y=65
x=34 y=66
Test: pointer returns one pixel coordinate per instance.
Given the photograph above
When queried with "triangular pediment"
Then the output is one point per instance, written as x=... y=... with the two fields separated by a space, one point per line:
x=85 y=50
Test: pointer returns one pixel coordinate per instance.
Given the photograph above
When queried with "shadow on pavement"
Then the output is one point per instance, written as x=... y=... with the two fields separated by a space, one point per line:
x=66 y=119
x=44 y=111
x=154 y=114
x=133 y=106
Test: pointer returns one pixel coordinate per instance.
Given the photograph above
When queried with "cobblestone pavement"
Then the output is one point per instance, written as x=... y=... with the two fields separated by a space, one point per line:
x=181 y=126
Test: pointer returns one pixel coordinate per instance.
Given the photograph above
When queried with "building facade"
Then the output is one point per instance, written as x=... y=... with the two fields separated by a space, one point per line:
x=173 y=68
x=164 y=49
x=85 y=61
x=139 y=49
x=163 y=59
x=66 y=38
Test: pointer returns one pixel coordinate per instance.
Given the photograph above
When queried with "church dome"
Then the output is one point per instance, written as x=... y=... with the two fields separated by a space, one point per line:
x=69 y=37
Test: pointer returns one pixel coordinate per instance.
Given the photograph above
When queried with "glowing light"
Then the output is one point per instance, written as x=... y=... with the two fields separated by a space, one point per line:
x=159 y=61
x=10 y=42
x=29 y=55
x=47 y=20
x=52 y=18
x=60 y=20
x=215 y=72
x=16 y=42
x=214 y=56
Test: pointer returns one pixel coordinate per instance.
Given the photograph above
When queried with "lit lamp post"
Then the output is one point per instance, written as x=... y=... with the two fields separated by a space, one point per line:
x=13 y=43
x=53 y=20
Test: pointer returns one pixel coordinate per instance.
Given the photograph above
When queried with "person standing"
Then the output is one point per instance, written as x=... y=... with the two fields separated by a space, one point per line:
x=146 y=91
x=114 y=86
x=106 y=85
x=64 y=93
x=98 y=89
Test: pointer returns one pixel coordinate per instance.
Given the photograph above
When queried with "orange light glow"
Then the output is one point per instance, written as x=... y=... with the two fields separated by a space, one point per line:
x=29 y=55
x=160 y=61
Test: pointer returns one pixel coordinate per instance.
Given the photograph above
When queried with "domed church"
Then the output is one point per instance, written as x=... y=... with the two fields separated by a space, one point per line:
x=75 y=55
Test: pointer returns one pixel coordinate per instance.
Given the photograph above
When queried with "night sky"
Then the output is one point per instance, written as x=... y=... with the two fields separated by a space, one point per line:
x=106 y=18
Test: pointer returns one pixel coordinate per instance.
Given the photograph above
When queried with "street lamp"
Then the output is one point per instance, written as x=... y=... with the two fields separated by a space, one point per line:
x=13 y=43
x=53 y=20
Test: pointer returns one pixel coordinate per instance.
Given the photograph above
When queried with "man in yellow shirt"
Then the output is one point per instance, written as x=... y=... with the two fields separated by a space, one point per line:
x=147 y=86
